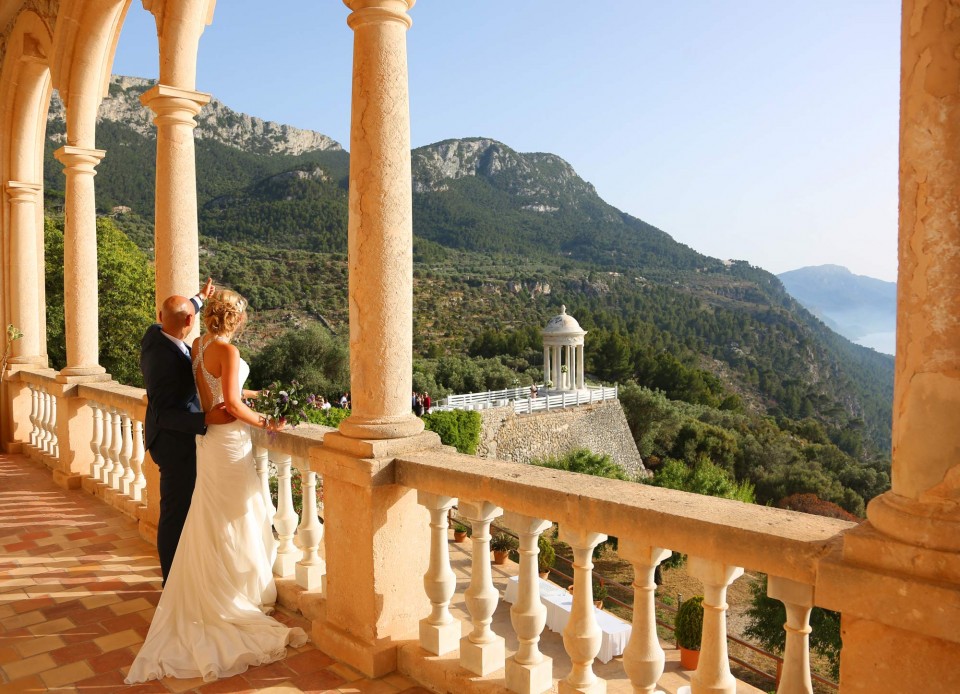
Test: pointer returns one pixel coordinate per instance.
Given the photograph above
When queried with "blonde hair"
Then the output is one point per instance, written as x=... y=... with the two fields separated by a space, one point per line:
x=224 y=312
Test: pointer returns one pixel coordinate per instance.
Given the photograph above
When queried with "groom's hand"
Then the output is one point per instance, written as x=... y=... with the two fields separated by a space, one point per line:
x=207 y=290
x=218 y=415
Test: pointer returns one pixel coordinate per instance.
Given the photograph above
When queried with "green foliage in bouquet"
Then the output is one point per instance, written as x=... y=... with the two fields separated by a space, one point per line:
x=288 y=403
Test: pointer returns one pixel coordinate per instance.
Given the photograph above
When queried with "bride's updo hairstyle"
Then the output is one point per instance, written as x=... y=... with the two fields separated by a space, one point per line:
x=224 y=312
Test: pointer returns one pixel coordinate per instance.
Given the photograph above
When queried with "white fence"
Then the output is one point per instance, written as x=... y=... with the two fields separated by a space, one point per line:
x=522 y=402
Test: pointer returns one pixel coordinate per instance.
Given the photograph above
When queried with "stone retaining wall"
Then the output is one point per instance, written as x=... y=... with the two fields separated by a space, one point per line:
x=601 y=427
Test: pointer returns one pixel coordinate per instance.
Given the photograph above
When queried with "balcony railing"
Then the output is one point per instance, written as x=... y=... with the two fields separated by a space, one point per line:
x=523 y=403
x=721 y=538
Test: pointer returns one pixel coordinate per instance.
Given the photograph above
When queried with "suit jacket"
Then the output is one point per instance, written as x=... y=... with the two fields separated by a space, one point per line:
x=173 y=407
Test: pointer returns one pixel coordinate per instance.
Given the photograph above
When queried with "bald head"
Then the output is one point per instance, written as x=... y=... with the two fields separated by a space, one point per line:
x=176 y=316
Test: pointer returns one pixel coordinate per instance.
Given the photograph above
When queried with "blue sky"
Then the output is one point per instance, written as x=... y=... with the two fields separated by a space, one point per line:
x=748 y=129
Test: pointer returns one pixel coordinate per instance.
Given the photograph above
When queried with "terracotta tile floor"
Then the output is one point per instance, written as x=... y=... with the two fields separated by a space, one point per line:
x=77 y=591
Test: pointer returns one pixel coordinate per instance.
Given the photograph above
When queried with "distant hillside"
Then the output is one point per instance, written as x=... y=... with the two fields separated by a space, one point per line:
x=501 y=239
x=862 y=309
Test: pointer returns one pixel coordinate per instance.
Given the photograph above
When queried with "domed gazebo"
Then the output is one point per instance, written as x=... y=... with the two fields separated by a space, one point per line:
x=563 y=347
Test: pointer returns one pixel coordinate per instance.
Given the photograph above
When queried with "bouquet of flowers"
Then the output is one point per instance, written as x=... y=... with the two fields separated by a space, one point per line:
x=278 y=402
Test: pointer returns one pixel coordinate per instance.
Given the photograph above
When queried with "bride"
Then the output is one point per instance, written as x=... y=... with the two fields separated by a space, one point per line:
x=211 y=621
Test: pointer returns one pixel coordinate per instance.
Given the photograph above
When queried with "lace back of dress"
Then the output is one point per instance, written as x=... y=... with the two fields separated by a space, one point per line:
x=213 y=383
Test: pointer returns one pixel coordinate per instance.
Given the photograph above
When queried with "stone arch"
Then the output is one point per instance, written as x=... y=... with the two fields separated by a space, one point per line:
x=85 y=44
x=25 y=87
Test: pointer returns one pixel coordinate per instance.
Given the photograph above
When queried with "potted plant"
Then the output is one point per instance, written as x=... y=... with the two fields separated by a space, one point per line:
x=501 y=544
x=688 y=628
x=599 y=592
x=460 y=531
x=546 y=557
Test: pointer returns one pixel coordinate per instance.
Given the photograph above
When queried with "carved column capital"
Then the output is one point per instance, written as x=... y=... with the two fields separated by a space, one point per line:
x=174 y=106
x=19 y=192
x=378 y=12
x=79 y=160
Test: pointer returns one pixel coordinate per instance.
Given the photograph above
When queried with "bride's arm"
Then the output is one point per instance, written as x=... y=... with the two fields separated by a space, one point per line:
x=233 y=398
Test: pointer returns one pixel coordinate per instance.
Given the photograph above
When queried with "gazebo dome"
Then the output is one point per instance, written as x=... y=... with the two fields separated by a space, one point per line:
x=563 y=324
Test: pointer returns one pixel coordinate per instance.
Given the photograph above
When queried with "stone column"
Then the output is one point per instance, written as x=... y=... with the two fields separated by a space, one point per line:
x=572 y=368
x=26 y=280
x=643 y=658
x=176 y=236
x=712 y=675
x=380 y=230
x=898 y=572
x=80 y=261
x=921 y=508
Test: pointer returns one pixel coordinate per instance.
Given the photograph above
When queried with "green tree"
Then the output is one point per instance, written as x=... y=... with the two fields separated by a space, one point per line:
x=585 y=462
x=125 y=299
x=310 y=355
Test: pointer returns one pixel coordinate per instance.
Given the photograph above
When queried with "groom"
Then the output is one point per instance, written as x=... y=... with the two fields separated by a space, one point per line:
x=174 y=416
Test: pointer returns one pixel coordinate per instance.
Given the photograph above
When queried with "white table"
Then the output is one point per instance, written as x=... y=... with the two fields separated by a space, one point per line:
x=558 y=601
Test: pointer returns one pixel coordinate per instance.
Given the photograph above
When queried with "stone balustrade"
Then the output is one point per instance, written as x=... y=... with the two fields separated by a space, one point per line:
x=720 y=536
x=43 y=444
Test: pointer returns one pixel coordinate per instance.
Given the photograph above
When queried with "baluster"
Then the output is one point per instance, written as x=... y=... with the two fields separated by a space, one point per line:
x=713 y=671
x=54 y=438
x=136 y=461
x=126 y=451
x=42 y=422
x=582 y=635
x=529 y=671
x=440 y=632
x=97 y=440
x=116 y=444
x=34 y=416
x=481 y=651
x=643 y=658
x=261 y=457
x=311 y=568
x=105 y=445
x=285 y=520
x=798 y=599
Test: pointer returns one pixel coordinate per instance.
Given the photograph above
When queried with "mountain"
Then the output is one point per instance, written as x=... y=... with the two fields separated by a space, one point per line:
x=501 y=239
x=862 y=309
x=215 y=122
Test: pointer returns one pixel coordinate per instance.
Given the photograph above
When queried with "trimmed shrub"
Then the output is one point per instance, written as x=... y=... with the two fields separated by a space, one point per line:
x=457 y=428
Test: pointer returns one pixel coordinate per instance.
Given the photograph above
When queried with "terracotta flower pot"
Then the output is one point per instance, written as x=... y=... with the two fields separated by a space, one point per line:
x=459 y=536
x=500 y=557
x=544 y=575
x=689 y=659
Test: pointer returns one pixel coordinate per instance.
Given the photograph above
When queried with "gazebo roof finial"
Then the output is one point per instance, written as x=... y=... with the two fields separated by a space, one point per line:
x=563 y=309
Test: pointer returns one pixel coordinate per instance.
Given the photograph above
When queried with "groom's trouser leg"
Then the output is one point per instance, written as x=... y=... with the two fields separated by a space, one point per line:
x=178 y=476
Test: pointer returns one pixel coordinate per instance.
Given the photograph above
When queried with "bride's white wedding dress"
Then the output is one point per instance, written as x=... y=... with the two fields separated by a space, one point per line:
x=210 y=621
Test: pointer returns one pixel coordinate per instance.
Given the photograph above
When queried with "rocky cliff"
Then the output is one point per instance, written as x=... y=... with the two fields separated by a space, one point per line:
x=215 y=122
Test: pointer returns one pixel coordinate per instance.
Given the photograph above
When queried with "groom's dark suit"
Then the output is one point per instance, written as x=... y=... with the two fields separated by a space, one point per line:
x=174 y=418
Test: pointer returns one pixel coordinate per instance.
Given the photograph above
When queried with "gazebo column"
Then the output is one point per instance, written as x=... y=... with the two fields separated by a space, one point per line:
x=80 y=303
x=379 y=535
x=581 y=381
x=898 y=581
x=572 y=368
x=557 y=362
x=176 y=235
x=546 y=364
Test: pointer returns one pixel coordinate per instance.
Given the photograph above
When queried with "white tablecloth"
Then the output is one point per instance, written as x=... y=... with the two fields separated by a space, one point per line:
x=559 y=602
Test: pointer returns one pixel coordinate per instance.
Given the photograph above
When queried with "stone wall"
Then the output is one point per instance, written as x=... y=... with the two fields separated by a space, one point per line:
x=601 y=427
